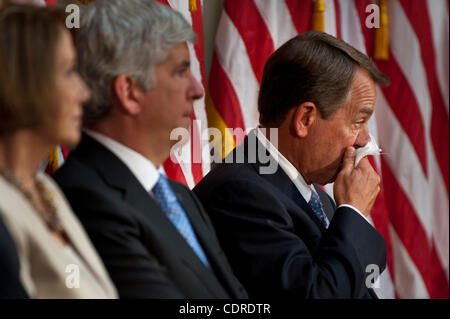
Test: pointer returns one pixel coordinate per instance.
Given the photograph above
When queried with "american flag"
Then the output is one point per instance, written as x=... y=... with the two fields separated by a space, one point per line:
x=411 y=120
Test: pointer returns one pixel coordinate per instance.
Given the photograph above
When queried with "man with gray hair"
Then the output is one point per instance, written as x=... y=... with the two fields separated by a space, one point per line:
x=152 y=233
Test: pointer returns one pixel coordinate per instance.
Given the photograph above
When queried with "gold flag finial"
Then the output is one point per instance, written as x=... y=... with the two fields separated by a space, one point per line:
x=192 y=5
x=53 y=159
x=318 y=18
x=382 y=34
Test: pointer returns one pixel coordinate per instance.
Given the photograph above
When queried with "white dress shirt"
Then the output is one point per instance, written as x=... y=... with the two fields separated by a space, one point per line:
x=142 y=168
x=290 y=170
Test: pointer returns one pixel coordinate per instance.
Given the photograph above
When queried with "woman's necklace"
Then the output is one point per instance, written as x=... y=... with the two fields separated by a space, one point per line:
x=47 y=211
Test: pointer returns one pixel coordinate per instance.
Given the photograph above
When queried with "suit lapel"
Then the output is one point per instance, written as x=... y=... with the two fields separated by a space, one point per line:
x=298 y=198
x=151 y=210
x=204 y=237
x=82 y=246
x=136 y=196
x=282 y=182
x=118 y=176
x=72 y=228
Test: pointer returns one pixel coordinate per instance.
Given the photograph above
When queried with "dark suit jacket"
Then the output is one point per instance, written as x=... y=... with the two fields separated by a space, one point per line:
x=275 y=243
x=144 y=253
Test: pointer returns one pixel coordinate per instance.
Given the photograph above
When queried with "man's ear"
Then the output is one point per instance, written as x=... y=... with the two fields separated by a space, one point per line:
x=128 y=92
x=303 y=117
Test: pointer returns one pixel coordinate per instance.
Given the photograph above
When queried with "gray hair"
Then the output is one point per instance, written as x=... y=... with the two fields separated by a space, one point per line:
x=124 y=37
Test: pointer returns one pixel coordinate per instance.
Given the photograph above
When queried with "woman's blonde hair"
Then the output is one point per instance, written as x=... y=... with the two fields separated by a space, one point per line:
x=29 y=38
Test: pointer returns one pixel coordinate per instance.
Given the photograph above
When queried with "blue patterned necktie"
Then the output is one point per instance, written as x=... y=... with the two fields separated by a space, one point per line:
x=170 y=205
x=316 y=206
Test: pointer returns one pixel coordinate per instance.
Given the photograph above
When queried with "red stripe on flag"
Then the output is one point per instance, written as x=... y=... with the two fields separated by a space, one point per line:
x=164 y=2
x=399 y=95
x=369 y=34
x=301 y=13
x=197 y=26
x=404 y=105
x=196 y=146
x=337 y=13
x=65 y=151
x=196 y=151
x=403 y=217
x=223 y=95
x=416 y=12
x=410 y=230
x=440 y=140
x=173 y=171
x=254 y=32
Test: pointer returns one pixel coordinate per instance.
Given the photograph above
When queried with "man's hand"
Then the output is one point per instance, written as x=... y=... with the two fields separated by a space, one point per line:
x=357 y=186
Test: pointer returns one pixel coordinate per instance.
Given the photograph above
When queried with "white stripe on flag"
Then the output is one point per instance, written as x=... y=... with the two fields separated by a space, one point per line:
x=232 y=55
x=408 y=281
x=272 y=12
x=438 y=14
x=403 y=161
x=406 y=50
x=330 y=17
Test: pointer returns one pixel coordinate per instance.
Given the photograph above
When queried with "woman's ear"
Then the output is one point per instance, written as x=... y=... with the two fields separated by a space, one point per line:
x=303 y=117
x=128 y=92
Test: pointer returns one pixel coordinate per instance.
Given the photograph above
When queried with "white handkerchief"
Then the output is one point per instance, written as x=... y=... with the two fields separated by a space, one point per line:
x=371 y=148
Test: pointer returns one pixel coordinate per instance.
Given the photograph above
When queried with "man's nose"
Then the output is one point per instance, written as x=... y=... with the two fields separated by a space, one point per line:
x=196 y=90
x=363 y=137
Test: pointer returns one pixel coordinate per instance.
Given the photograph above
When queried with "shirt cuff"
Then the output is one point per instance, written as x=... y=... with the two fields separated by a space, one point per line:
x=356 y=210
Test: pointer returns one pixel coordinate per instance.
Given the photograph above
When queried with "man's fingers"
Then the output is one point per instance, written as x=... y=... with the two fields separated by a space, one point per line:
x=349 y=159
x=364 y=163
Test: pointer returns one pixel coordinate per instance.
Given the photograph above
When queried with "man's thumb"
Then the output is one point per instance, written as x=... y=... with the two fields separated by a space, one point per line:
x=349 y=159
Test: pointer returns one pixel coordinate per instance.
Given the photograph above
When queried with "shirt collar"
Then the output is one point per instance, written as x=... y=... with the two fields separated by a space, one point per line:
x=142 y=168
x=290 y=170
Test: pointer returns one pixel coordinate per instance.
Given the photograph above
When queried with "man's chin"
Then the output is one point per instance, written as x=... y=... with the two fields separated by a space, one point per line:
x=333 y=179
x=327 y=180
x=186 y=122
